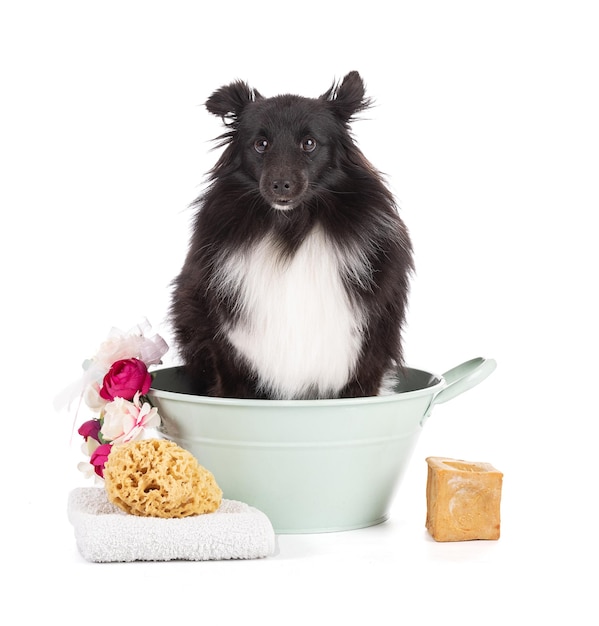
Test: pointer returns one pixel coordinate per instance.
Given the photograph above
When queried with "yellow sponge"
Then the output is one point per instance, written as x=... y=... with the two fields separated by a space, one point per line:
x=158 y=478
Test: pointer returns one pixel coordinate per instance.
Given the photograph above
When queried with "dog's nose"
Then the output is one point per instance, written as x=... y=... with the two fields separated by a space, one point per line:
x=283 y=187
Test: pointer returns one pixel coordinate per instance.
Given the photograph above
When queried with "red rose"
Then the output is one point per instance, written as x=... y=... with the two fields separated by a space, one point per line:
x=124 y=379
x=99 y=457
x=91 y=428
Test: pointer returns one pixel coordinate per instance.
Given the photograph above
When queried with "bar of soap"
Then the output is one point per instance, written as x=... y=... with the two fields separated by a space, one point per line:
x=462 y=500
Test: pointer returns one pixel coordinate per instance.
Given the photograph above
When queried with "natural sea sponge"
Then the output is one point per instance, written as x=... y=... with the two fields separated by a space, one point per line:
x=158 y=478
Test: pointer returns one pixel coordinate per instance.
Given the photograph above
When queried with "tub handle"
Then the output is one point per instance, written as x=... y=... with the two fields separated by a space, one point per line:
x=460 y=379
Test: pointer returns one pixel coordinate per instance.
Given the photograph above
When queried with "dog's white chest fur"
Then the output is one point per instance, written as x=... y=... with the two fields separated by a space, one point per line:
x=298 y=328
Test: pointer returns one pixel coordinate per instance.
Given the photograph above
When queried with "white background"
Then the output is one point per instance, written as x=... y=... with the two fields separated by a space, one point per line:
x=486 y=123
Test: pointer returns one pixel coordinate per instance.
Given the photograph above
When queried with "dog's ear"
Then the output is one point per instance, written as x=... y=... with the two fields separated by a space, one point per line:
x=346 y=97
x=228 y=102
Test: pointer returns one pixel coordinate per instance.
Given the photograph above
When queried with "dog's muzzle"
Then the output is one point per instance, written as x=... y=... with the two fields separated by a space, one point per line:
x=283 y=193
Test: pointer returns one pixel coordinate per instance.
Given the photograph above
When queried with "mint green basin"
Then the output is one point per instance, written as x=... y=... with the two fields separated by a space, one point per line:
x=311 y=465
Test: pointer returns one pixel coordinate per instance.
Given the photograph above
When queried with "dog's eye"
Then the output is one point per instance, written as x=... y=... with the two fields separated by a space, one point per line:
x=308 y=144
x=261 y=145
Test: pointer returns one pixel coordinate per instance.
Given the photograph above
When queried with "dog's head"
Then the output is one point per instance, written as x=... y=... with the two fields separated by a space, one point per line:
x=287 y=146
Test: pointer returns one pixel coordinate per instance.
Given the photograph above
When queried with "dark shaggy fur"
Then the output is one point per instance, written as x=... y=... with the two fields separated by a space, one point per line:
x=290 y=168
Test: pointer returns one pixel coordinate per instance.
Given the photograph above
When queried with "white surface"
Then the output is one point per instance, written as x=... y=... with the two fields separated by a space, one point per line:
x=486 y=124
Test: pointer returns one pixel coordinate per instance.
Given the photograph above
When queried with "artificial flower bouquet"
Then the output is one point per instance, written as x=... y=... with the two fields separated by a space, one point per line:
x=114 y=386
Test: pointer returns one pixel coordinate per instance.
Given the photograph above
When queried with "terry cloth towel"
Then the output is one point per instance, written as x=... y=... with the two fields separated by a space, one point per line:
x=105 y=533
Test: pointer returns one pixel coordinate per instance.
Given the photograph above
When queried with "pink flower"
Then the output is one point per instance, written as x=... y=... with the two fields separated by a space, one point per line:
x=99 y=457
x=124 y=379
x=91 y=428
x=126 y=421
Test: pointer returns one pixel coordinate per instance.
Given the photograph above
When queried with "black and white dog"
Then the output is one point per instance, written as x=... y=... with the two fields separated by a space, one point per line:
x=296 y=279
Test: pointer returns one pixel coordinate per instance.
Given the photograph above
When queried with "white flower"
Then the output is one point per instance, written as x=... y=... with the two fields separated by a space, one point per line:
x=126 y=421
x=87 y=469
x=131 y=345
x=89 y=445
x=92 y=397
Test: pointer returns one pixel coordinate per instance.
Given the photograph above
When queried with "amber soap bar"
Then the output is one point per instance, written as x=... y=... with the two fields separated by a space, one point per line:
x=462 y=500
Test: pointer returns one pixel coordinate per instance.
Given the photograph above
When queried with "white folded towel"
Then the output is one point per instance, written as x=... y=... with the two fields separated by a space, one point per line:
x=105 y=533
